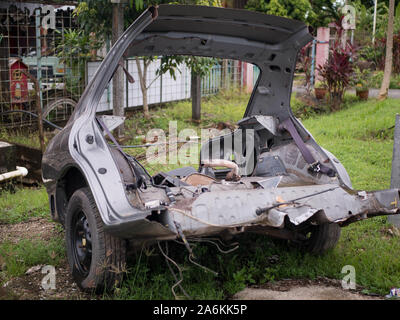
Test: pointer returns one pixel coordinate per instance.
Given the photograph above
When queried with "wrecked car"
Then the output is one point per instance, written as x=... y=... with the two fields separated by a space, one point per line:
x=280 y=183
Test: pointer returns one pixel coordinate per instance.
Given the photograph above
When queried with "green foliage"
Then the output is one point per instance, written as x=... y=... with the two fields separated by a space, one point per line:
x=27 y=253
x=320 y=84
x=338 y=68
x=375 y=53
x=75 y=50
x=305 y=107
x=299 y=10
x=377 y=76
x=23 y=205
x=362 y=79
x=325 y=11
x=25 y=137
x=316 y=13
x=200 y=66
x=364 y=22
x=96 y=15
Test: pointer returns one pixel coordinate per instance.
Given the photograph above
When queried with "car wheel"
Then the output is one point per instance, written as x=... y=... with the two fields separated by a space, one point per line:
x=321 y=238
x=96 y=258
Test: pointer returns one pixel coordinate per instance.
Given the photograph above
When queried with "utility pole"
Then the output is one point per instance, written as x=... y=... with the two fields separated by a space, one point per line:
x=118 y=78
x=374 y=26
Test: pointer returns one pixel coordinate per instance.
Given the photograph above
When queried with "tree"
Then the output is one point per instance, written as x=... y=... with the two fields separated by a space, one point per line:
x=94 y=17
x=295 y=9
x=142 y=72
x=383 y=92
x=313 y=12
x=199 y=67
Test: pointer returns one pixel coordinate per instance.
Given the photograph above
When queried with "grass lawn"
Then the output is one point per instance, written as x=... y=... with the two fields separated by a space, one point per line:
x=360 y=136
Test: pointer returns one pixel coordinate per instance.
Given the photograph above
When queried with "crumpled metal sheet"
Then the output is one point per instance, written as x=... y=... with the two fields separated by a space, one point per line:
x=327 y=203
x=296 y=215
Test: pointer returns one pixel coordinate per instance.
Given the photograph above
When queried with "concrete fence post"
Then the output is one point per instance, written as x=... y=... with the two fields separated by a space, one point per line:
x=322 y=50
x=395 y=176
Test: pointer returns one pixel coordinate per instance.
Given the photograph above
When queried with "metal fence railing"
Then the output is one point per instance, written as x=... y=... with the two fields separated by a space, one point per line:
x=39 y=68
x=226 y=74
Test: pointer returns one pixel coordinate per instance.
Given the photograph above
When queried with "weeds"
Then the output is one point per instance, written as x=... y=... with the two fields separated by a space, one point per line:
x=17 y=258
x=352 y=134
x=23 y=204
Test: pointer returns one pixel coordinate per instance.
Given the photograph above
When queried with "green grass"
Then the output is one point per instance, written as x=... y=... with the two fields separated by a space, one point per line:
x=21 y=136
x=23 y=204
x=360 y=136
x=16 y=259
x=227 y=107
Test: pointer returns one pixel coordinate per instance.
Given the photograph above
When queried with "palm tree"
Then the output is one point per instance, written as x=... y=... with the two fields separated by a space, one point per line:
x=383 y=92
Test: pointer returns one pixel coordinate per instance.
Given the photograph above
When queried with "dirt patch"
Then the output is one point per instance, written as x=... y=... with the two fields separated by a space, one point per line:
x=319 y=289
x=29 y=287
x=33 y=229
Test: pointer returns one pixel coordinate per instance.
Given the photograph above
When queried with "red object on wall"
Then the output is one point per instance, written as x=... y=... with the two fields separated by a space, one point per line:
x=18 y=81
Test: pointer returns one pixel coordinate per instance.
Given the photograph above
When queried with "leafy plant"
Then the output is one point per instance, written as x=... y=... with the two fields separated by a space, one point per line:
x=379 y=50
x=320 y=85
x=362 y=79
x=75 y=50
x=305 y=65
x=338 y=69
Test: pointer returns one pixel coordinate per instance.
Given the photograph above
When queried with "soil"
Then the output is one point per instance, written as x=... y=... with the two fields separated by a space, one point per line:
x=28 y=286
x=292 y=289
x=33 y=229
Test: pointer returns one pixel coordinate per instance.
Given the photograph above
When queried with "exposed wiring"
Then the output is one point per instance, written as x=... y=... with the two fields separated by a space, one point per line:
x=178 y=281
x=215 y=244
x=191 y=257
x=260 y=211
x=183 y=237
x=218 y=240
x=202 y=267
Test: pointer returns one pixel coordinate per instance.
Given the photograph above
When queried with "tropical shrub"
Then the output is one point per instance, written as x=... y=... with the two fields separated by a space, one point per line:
x=338 y=69
x=362 y=79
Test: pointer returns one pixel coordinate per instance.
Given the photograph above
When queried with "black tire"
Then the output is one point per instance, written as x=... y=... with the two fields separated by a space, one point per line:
x=96 y=258
x=321 y=238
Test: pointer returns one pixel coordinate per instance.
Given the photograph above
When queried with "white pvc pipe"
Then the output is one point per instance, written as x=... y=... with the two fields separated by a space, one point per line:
x=221 y=163
x=20 y=172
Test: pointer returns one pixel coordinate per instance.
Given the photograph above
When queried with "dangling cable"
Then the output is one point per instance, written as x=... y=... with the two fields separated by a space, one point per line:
x=215 y=244
x=203 y=267
x=178 y=281
x=187 y=245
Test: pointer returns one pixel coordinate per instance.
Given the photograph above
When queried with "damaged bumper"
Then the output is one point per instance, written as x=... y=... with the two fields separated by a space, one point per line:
x=235 y=211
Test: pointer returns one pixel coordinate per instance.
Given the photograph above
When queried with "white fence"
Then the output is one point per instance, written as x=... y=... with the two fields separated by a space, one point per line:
x=163 y=89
